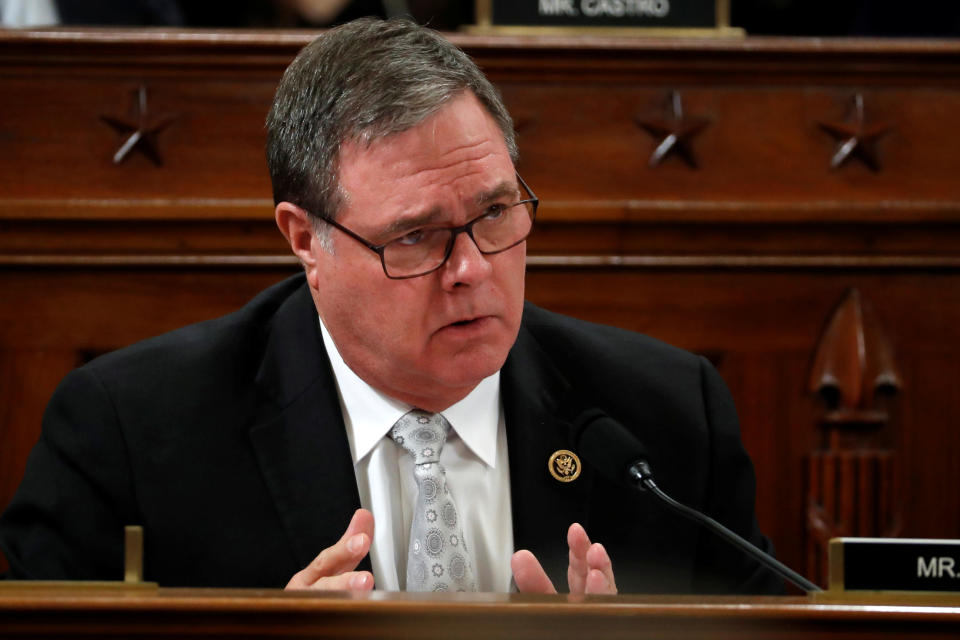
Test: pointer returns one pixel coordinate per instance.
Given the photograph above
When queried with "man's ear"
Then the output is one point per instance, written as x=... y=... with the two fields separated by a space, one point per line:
x=297 y=227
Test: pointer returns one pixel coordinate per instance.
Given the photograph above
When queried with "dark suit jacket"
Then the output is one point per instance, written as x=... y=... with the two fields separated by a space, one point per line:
x=225 y=440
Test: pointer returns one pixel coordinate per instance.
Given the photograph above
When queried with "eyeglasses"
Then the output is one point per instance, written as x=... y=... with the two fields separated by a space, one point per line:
x=422 y=251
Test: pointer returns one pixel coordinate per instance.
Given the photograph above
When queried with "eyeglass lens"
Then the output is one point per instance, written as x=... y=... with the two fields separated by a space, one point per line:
x=427 y=249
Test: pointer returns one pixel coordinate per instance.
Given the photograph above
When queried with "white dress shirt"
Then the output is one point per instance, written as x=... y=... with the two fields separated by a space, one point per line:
x=475 y=459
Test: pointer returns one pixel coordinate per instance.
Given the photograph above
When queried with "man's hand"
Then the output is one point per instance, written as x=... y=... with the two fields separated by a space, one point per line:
x=333 y=569
x=590 y=569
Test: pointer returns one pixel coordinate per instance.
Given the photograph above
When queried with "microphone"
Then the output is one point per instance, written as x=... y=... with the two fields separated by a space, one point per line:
x=623 y=459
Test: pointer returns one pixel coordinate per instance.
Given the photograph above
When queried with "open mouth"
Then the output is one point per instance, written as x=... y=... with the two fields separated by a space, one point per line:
x=470 y=324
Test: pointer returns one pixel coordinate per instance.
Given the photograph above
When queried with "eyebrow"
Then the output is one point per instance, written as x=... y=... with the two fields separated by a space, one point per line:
x=412 y=221
x=501 y=190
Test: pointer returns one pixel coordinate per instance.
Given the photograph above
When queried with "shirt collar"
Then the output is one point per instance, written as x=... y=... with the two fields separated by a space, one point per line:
x=369 y=414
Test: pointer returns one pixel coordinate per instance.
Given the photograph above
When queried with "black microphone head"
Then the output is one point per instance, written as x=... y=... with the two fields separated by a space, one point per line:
x=607 y=445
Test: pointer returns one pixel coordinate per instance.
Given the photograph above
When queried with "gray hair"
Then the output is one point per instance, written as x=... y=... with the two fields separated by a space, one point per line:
x=362 y=82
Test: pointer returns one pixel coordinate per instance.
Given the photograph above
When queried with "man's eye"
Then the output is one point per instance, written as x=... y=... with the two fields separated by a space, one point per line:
x=412 y=238
x=495 y=211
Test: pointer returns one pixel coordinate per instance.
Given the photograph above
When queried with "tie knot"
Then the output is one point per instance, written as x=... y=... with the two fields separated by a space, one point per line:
x=422 y=434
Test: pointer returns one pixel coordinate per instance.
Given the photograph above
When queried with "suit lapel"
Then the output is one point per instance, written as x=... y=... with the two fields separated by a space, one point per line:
x=299 y=437
x=539 y=407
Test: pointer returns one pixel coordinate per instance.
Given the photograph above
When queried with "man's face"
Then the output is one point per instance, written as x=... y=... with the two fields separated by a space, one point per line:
x=428 y=340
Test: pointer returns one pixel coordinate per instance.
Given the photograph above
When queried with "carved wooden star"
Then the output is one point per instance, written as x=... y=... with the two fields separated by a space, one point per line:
x=855 y=138
x=141 y=134
x=674 y=133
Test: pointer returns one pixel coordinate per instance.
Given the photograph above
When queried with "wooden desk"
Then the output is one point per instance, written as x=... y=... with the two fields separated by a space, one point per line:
x=197 y=613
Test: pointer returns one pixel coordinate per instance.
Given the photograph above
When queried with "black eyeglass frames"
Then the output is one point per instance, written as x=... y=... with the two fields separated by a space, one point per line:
x=423 y=251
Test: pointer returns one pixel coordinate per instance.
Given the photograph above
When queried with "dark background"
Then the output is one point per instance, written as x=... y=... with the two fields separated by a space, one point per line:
x=935 y=18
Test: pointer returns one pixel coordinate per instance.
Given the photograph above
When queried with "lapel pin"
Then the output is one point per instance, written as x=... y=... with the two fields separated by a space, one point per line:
x=564 y=465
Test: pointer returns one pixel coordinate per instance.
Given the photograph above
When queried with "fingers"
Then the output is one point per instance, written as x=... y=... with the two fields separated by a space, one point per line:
x=334 y=567
x=590 y=569
x=600 y=574
x=577 y=569
x=350 y=581
x=528 y=575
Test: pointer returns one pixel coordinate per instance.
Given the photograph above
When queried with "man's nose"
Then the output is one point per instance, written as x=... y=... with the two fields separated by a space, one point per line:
x=466 y=265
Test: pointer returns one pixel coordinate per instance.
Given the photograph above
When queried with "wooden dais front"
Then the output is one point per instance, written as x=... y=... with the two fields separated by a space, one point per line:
x=198 y=613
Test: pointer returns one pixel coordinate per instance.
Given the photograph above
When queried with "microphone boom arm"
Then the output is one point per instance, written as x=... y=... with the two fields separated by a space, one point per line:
x=642 y=477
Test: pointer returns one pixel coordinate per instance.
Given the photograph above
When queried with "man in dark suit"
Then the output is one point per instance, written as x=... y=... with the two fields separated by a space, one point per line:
x=246 y=446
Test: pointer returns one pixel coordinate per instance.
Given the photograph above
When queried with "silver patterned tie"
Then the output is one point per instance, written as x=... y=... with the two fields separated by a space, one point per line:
x=437 y=559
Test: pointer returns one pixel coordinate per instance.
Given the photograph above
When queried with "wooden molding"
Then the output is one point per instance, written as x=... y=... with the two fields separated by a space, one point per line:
x=539 y=262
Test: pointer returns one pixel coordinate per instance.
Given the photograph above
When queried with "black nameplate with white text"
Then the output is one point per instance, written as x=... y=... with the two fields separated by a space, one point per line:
x=904 y=564
x=605 y=13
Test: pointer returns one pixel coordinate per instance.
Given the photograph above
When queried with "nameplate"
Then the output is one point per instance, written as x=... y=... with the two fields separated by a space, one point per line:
x=705 y=16
x=894 y=564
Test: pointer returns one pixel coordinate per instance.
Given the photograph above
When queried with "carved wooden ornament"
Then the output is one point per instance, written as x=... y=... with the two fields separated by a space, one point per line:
x=140 y=134
x=854 y=360
x=674 y=133
x=851 y=485
x=855 y=138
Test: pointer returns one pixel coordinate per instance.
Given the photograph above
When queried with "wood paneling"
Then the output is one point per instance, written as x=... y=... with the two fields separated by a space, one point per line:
x=743 y=259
